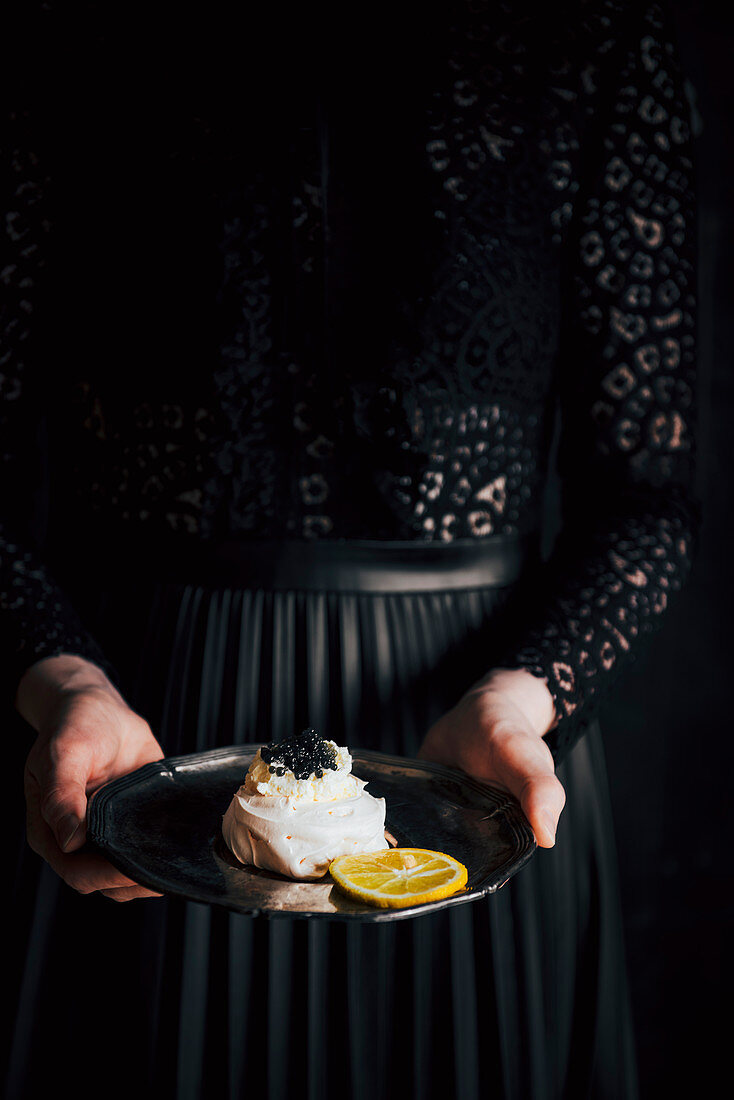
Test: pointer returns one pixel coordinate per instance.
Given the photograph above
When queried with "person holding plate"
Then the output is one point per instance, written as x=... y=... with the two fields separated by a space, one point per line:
x=279 y=307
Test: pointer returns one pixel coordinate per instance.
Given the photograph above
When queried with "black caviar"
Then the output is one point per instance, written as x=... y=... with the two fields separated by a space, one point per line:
x=306 y=753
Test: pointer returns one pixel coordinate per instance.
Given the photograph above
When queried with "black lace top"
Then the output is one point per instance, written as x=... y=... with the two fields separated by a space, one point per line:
x=318 y=284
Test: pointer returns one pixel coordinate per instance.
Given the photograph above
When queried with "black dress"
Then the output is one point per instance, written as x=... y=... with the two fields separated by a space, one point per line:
x=334 y=296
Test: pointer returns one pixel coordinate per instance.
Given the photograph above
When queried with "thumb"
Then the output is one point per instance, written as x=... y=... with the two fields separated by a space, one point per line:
x=525 y=766
x=542 y=798
x=63 y=791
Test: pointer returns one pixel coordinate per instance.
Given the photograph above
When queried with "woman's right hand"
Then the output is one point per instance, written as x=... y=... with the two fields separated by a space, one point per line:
x=87 y=736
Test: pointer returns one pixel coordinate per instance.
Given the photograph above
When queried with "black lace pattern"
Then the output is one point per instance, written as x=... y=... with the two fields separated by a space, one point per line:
x=398 y=297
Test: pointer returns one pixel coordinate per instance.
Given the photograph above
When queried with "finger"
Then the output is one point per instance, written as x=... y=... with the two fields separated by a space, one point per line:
x=62 y=778
x=524 y=764
x=85 y=872
x=542 y=800
x=130 y=893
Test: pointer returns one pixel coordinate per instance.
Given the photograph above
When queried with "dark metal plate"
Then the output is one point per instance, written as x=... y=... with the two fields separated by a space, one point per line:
x=161 y=826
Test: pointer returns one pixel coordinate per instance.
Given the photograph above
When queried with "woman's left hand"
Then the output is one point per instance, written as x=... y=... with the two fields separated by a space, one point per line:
x=495 y=733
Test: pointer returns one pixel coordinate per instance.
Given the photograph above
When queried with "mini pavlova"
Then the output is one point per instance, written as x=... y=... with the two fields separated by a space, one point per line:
x=300 y=807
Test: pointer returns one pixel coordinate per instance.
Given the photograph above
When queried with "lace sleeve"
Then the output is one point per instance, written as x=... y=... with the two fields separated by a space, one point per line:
x=36 y=618
x=630 y=513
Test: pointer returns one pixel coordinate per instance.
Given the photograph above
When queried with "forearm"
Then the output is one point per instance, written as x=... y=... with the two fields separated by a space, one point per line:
x=604 y=594
x=37 y=619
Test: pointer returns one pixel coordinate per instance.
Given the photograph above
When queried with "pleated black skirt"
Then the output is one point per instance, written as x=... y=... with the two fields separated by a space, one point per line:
x=520 y=995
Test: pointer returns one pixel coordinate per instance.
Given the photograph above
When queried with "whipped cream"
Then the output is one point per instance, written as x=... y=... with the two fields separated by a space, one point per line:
x=334 y=783
x=296 y=827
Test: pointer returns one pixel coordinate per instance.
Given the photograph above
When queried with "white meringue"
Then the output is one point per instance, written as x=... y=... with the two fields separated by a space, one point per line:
x=297 y=827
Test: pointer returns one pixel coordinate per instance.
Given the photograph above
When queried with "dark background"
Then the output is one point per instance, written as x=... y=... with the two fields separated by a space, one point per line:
x=668 y=729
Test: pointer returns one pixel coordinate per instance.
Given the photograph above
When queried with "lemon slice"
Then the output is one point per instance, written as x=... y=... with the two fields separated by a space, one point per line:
x=398 y=877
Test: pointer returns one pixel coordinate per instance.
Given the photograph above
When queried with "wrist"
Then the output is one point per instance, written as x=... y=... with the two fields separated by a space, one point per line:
x=529 y=693
x=52 y=680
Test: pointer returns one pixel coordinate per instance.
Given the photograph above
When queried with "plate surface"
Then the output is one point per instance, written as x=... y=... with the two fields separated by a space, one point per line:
x=161 y=826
